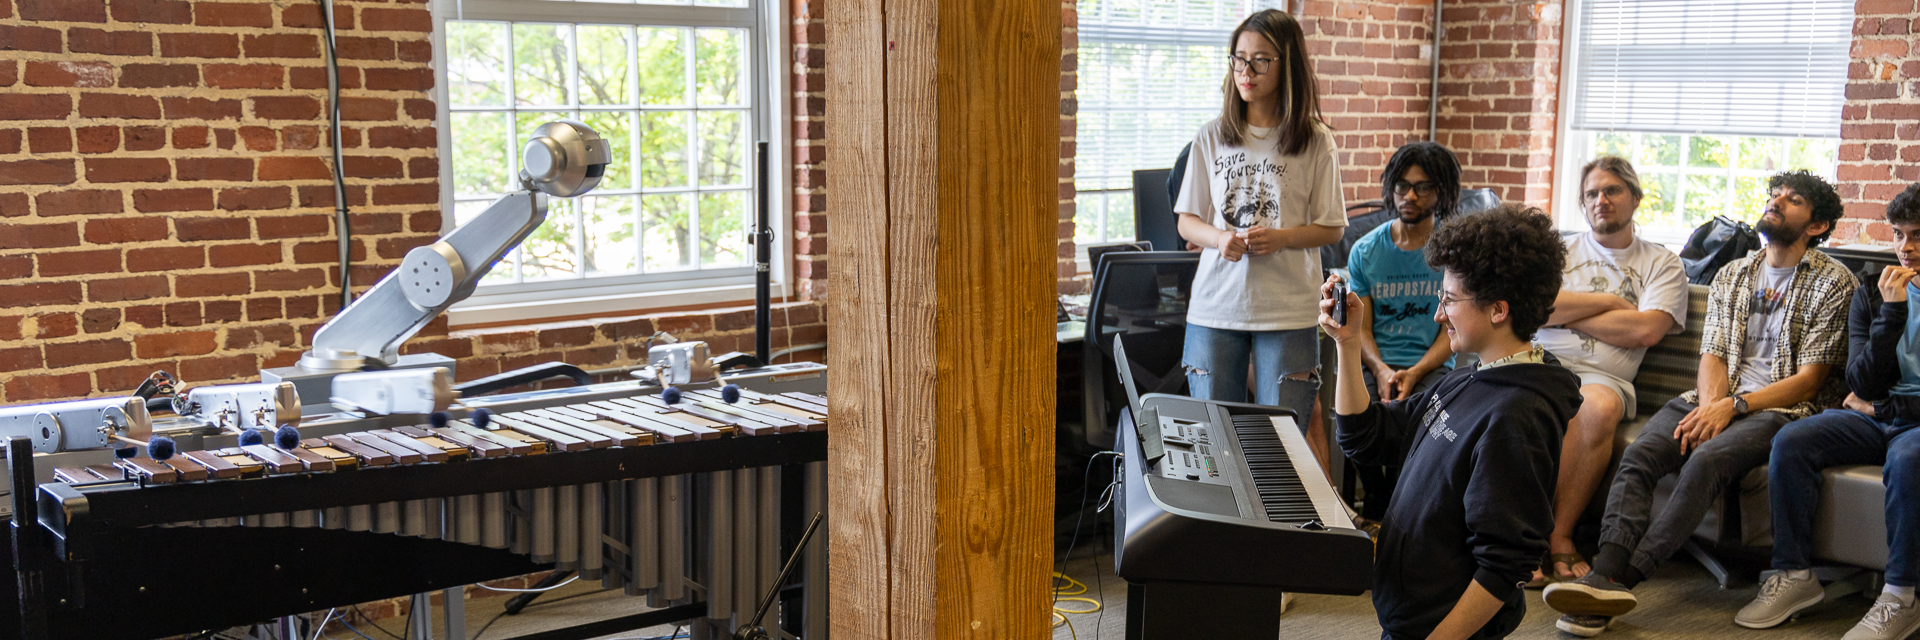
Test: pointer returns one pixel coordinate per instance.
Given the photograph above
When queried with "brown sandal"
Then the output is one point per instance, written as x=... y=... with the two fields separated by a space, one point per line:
x=1549 y=576
x=1568 y=559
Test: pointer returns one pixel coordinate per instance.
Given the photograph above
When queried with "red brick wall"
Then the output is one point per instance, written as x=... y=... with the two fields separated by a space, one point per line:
x=1065 y=268
x=1375 y=70
x=1880 y=130
x=1499 y=94
x=164 y=176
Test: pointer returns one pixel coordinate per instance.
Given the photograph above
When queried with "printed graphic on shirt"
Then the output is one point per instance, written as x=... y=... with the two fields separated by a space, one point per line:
x=1624 y=283
x=1253 y=190
x=1437 y=426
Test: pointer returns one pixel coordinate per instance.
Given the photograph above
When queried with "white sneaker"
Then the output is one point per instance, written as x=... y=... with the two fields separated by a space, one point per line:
x=1780 y=597
x=1887 y=620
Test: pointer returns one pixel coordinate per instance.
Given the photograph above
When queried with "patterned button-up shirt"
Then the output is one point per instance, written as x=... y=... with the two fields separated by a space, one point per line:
x=1816 y=324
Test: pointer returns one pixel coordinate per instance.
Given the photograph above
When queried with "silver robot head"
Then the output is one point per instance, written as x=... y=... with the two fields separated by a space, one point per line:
x=564 y=158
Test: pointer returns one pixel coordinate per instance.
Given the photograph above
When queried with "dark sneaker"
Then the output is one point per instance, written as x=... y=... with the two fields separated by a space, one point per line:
x=1591 y=595
x=1780 y=598
x=1583 y=626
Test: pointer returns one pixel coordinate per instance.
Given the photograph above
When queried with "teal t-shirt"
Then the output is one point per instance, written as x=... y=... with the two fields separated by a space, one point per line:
x=1404 y=290
x=1909 y=384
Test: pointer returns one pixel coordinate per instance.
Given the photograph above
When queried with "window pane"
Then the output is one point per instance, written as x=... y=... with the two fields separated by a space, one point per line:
x=723 y=154
x=480 y=154
x=722 y=3
x=616 y=127
x=1706 y=198
x=1657 y=208
x=663 y=148
x=1749 y=197
x=1817 y=156
x=549 y=253
x=1707 y=151
x=605 y=71
x=718 y=67
x=1659 y=150
x=540 y=63
x=723 y=229
x=663 y=66
x=1120 y=215
x=476 y=58
x=1613 y=144
x=664 y=217
x=611 y=244
x=1088 y=207
x=1760 y=154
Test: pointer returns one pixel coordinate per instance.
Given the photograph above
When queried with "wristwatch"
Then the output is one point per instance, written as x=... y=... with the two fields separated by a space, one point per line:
x=1739 y=405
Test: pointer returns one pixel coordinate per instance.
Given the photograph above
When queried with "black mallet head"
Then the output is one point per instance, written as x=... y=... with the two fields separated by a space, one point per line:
x=481 y=418
x=670 y=395
x=437 y=419
x=730 y=393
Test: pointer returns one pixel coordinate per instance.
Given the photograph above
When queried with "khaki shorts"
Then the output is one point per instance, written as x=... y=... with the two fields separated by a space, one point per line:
x=1623 y=388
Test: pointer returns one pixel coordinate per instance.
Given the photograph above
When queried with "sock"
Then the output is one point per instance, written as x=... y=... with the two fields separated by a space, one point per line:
x=1611 y=561
x=1800 y=574
x=1905 y=594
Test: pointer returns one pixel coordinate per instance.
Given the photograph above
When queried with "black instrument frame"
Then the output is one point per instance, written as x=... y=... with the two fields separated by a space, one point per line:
x=93 y=549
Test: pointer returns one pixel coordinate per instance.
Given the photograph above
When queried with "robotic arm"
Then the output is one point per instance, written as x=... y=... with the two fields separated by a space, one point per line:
x=563 y=159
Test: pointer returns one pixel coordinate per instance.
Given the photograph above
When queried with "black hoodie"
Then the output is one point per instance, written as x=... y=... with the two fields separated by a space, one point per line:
x=1475 y=498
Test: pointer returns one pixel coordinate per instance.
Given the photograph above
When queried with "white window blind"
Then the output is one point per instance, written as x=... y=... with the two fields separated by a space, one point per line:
x=1150 y=75
x=1738 y=67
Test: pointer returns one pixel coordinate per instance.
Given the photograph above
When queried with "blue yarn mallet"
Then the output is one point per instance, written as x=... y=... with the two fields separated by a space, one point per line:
x=287 y=437
x=670 y=395
x=161 y=448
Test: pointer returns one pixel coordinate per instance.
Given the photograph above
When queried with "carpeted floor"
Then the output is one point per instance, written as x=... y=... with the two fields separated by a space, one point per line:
x=1682 y=602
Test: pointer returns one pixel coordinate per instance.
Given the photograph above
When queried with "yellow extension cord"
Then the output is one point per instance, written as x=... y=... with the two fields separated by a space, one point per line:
x=1063 y=594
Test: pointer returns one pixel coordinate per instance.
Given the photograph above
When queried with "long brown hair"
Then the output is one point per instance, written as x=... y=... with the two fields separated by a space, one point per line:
x=1299 y=104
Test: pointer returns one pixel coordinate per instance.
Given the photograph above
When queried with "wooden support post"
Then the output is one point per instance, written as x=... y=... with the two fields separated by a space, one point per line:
x=943 y=133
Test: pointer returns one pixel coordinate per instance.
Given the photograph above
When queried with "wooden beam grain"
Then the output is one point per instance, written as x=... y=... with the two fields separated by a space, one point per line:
x=942 y=126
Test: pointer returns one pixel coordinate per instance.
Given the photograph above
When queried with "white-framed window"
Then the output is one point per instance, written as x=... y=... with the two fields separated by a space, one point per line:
x=1707 y=98
x=680 y=91
x=1150 y=74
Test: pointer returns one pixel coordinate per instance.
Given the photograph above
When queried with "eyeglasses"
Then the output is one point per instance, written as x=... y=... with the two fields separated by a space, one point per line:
x=1260 y=65
x=1422 y=188
x=1447 y=302
x=1612 y=192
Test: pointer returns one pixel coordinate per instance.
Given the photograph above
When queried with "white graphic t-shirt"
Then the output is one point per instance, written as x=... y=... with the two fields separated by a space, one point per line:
x=1644 y=273
x=1254 y=185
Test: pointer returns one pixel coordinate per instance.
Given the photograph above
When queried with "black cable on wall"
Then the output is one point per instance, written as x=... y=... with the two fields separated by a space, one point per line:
x=341 y=221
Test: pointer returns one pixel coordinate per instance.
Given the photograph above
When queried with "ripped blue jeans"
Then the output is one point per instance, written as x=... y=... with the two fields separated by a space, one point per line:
x=1216 y=363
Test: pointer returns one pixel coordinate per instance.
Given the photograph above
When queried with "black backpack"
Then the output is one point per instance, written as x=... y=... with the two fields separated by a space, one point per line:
x=1713 y=245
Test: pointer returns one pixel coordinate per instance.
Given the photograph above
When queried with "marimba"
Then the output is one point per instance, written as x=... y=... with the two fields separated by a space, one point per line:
x=683 y=500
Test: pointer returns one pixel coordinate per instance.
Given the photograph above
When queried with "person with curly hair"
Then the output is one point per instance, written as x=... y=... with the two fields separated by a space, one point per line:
x=1776 y=332
x=1874 y=427
x=1469 y=520
x=1260 y=196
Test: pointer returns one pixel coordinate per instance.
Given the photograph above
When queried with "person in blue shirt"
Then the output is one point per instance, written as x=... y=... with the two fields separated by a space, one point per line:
x=1876 y=426
x=1402 y=350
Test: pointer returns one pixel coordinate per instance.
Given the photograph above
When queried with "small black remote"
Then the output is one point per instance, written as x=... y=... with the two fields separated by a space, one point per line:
x=1340 y=303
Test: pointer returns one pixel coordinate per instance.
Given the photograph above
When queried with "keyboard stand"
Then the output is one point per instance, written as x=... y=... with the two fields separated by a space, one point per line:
x=1167 y=610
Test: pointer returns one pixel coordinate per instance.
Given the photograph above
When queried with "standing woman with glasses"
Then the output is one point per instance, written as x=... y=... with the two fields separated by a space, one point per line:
x=1260 y=197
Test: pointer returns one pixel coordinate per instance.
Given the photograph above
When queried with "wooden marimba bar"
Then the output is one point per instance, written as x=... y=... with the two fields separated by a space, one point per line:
x=632 y=523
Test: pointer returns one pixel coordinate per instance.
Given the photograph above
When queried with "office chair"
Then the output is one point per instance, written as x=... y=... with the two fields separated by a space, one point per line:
x=1142 y=296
